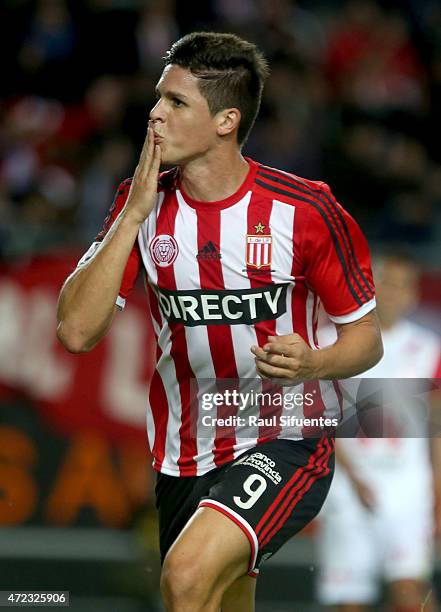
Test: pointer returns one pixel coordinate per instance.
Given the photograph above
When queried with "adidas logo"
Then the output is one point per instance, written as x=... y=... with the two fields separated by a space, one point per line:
x=208 y=251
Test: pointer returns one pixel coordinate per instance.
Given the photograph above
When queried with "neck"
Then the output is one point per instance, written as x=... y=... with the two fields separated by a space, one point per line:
x=215 y=176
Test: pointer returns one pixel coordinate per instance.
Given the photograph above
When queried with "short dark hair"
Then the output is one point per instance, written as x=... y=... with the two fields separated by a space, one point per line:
x=231 y=72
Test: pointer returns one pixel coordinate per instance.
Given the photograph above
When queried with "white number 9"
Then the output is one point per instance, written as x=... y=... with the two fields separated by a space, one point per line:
x=253 y=492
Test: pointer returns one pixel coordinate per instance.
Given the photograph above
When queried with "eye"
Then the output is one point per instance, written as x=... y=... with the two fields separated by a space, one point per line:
x=177 y=102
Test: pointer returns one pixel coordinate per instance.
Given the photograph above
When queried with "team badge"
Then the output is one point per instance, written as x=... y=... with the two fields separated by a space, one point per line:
x=259 y=248
x=164 y=250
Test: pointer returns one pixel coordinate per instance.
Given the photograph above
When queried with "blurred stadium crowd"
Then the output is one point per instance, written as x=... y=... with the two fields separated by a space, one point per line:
x=353 y=99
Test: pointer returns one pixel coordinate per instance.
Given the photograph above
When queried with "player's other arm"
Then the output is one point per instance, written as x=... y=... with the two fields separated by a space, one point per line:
x=86 y=305
x=358 y=348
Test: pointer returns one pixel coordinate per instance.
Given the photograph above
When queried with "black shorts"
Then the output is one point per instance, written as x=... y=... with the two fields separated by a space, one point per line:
x=271 y=492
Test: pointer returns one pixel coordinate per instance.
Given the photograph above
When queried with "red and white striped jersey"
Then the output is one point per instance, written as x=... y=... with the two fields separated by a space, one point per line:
x=223 y=276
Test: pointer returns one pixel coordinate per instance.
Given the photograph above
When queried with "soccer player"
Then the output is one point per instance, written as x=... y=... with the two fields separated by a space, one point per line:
x=236 y=256
x=378 y=519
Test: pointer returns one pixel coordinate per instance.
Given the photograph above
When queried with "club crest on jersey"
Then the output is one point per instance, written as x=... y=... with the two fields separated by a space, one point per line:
x=164 y=250
x=259 y=250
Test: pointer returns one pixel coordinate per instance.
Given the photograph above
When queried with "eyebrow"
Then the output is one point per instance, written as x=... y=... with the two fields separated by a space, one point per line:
x=171 y=94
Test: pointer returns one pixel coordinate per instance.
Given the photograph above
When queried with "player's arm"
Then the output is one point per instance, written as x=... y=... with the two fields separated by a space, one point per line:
x=87 y=300
x=357 y=349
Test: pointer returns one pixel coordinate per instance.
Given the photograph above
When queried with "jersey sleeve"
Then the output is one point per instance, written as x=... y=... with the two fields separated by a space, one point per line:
x=337 y=260
x=133 y=265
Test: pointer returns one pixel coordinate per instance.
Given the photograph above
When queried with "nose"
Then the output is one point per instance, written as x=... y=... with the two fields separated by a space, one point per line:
x=158 y=112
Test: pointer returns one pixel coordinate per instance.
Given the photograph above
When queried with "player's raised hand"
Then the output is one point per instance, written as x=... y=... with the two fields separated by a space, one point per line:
x=143 y=190
x=287 y=357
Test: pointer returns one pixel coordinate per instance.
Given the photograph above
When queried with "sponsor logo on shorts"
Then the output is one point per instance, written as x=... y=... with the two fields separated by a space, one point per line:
x=223 y=307
x=164 y=250
x=262 y=463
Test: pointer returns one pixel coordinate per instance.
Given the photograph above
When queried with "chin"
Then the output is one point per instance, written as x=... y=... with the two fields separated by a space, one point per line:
x=179 y=157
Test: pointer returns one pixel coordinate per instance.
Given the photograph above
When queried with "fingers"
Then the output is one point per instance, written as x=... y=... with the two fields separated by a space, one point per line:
x=287 y=339
x=144 y=150
x=267 y=370
x=275 y=360
x=147 y=155
x=270 y=365
x=279 y=348
x=156 y=163
x=270 y=357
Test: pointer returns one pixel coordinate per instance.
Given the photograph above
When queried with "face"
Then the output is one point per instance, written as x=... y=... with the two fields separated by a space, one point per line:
x=397 y=289
x=183 y=125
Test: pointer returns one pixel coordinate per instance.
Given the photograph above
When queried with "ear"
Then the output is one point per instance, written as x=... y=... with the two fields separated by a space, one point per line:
x=227 y=120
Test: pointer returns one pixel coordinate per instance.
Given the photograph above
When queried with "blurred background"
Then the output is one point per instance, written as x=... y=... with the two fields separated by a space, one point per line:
x=353 y=99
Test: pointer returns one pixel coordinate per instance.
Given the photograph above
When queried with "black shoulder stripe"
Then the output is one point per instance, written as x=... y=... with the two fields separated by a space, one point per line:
x=331 y=231
x=348 y=245
x=349 y=239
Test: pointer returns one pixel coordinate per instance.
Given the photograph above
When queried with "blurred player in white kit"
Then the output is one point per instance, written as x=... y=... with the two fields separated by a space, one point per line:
x=378 y=521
